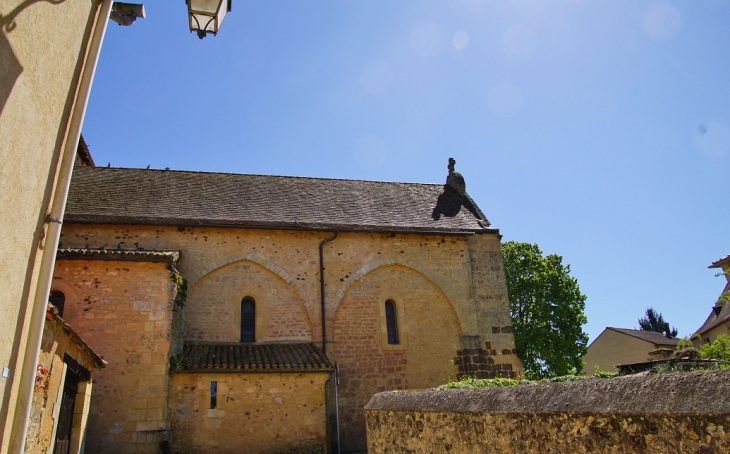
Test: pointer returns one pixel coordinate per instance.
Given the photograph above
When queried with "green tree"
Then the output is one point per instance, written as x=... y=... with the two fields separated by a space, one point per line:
x=718 y=349
x=654 y=321
x=547 y=311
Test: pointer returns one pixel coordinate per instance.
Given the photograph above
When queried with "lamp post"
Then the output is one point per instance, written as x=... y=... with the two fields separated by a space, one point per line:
x=205 y=16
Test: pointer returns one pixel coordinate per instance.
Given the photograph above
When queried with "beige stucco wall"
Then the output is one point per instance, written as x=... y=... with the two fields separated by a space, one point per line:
x=125 y=312
x=42 y=48
x=255 y=413
x=612 y=348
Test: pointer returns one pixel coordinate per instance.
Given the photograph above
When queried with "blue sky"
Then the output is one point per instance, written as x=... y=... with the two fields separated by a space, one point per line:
x=598 y=129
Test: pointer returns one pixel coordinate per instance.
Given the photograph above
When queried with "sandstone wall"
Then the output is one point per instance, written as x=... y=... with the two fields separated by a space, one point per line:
x=254 y=413
x=467 y=270
x=673 y=413
x=429 y=334
x=48 y=390
x=449 y=291
x=124 y=311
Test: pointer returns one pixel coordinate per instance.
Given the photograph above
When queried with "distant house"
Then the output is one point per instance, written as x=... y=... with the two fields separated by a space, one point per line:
x=718 y=321
x=616 y=346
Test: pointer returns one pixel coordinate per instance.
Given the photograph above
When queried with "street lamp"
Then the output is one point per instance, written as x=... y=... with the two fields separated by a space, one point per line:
x=205 y=16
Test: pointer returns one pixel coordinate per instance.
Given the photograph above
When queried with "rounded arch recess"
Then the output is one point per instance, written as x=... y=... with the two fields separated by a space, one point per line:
x=268 y=266
x=372 y=266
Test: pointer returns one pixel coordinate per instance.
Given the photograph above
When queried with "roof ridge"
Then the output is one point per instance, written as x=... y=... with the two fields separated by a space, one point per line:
x=210 y=172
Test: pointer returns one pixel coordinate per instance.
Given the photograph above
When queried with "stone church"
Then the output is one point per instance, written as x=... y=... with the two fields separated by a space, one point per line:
x=250 y=313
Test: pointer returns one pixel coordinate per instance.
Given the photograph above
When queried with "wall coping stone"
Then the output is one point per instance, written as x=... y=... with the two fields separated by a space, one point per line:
x=675 y=393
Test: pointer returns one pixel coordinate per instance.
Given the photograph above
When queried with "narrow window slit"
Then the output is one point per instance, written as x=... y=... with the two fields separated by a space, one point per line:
x=391 y=322
x=213 y=394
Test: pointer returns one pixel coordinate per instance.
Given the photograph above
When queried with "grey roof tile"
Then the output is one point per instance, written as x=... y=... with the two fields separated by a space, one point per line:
x=239 y=357
x=649 y=336
x=165 y=197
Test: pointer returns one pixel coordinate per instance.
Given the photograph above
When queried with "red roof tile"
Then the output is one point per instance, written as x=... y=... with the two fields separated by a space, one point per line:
x=215 y=357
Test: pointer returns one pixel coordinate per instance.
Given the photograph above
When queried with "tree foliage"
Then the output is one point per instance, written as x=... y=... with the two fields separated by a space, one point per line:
x=718 y=349
x=654 y=321
x=547 y=311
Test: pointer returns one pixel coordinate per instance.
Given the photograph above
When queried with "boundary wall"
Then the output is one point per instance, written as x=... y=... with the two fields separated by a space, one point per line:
x=672 y=413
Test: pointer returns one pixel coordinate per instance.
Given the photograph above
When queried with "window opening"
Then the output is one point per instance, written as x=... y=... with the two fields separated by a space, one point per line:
x=213 y=394
x=248 y=320
x=58 y=299
x=391 y=322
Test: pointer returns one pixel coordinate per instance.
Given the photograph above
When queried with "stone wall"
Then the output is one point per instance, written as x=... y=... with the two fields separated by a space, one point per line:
x=254 y=412
x=57 y=342
x=687 y=412
x=449 y=292
x=124 y=311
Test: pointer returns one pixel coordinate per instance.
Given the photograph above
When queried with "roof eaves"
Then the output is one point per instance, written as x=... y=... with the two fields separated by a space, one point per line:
x=719 y=262
x=119 y=255
x=53 y=314
x=273 y=225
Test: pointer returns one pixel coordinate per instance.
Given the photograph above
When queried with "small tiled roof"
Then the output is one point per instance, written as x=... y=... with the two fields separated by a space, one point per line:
x=649 y=336
x=166 y=197
x=719 y=262
x=119 y=254
x=216 y=357
x=83 y=155
x=55 y=316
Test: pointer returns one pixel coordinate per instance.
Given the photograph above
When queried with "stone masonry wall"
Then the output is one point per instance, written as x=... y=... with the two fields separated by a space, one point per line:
x=124 y=311
x=255 y=413
x=672 y=413
x=467 y=270
x=48 y=390
x=429 y=333
x=449 y=291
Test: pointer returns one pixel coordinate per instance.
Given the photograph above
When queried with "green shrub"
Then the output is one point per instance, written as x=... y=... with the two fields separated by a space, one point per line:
x=719 y=349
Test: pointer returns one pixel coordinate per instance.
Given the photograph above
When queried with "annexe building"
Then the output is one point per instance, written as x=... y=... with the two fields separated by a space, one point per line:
x=225 y=303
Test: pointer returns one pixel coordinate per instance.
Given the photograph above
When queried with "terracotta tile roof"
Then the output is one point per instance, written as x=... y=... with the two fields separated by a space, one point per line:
x=719 y=262
x=216 y=357
x=53 y=315
x=119 y=254
x=166 y=197
x=649 y=336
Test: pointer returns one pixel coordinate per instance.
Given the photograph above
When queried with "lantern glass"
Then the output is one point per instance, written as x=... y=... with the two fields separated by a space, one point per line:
x=205 y=16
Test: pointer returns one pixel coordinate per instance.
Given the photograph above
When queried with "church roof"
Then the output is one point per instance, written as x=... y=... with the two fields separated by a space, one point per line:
x=166 y=197
x=649 y=336
x=216 y=357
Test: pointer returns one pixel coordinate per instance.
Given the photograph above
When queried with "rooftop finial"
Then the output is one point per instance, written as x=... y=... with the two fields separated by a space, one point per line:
x=455 y=180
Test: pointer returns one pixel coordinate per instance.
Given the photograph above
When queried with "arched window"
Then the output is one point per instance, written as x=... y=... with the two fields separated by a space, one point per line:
x=248 y=320
x=58 y=299
x=391 y=323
